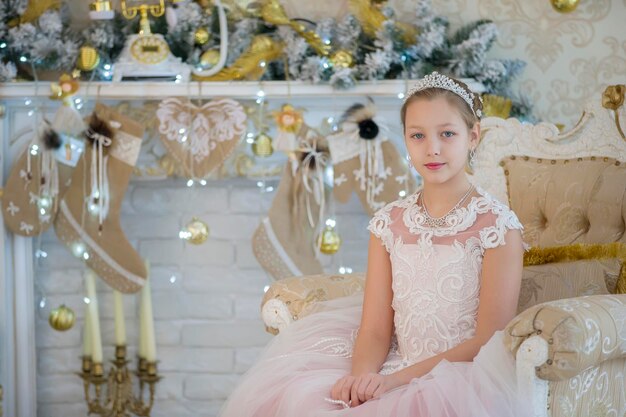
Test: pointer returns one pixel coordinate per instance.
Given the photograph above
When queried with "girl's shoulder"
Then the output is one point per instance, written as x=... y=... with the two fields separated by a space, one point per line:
x=493 y=218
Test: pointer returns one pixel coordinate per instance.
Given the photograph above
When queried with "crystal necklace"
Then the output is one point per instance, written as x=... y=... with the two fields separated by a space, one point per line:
x=437 y=222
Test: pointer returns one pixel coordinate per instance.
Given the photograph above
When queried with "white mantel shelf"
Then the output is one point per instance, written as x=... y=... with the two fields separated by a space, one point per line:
x=235 y=89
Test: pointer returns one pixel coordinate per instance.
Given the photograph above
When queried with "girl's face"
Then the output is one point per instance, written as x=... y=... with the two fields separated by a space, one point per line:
x=438 y=139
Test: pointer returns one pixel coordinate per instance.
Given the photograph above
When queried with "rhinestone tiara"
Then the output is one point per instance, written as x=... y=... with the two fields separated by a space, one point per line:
x=436 y=80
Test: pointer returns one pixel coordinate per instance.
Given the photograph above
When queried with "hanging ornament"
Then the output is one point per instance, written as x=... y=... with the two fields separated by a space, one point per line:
x=62 y=318
x=342 y=59
x=209 y=58
x=329 y=240
x=66 y=87
x=288 y=119
x=564 y=6
x=88 y=58
x=262 y=145
x=201 y=36
x=195 y=232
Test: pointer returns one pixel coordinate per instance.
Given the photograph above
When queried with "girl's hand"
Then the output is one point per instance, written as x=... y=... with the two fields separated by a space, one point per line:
x=343 y=388
x=371 y=385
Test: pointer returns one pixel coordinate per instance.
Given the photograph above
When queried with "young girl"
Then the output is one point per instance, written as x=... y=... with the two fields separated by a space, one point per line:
x=443 y=276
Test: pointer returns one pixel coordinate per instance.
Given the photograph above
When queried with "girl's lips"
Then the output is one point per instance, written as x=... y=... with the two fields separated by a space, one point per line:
x=434 y=165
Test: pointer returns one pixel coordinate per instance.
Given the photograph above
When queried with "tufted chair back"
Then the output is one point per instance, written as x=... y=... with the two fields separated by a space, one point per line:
x=566 y=201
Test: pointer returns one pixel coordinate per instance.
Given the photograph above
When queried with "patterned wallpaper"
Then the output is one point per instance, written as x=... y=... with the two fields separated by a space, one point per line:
x=570 y=56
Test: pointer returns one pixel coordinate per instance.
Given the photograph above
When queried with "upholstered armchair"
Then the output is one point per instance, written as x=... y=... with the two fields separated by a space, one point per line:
x=569 y=192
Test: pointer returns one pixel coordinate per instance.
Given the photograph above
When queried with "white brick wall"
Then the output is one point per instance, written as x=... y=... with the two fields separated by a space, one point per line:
x=206 y=298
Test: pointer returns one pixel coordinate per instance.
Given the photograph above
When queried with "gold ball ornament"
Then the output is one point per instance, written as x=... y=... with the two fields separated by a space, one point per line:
x=195 y=232
x=210 y=58
x=564 y=6
x=62 y=318
x=201 y=36
x=342 y=59
x=88 y=58
x=262 y=145
x=329 y=241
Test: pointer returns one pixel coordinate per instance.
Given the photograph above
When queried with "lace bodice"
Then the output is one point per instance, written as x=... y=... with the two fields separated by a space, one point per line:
x=436 y=271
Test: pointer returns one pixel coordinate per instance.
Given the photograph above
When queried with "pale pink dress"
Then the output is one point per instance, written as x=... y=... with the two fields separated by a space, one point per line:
x=436 y=284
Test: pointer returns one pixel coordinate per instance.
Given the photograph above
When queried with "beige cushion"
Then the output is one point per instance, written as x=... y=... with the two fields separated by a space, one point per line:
x=554 y=281
x=581 y=333
x=566 y=201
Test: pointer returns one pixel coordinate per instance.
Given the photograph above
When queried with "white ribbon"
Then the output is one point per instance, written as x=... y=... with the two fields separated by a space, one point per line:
x=99 y=177
x=372 y=161
x=48 y=186
x=314 y=185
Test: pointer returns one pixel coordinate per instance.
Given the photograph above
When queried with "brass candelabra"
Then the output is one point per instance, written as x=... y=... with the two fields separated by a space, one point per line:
x=113 y=395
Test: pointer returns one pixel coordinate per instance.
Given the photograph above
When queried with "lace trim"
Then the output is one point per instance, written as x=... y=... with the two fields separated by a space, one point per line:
x=125 y=147
x=464 y=217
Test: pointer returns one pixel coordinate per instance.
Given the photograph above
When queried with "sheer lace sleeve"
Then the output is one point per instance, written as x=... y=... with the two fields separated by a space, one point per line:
x=505 y=219
x=380 y=225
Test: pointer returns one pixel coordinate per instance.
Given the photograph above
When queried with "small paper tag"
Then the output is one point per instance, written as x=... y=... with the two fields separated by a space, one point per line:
x=70 y=151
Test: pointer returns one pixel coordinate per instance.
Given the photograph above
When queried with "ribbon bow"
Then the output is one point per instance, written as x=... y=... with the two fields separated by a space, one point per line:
x=100 y=196
x=313 y=165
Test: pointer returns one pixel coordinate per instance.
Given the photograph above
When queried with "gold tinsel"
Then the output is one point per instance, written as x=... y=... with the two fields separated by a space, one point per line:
x=578 y=252
x=342 y=59
x=247 y=66
x=372 y=19
x=34 y=9
x=273 y=12
x=496 y=106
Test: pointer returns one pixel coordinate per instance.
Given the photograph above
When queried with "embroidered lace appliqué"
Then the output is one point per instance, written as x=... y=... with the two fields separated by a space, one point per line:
x=436 y=272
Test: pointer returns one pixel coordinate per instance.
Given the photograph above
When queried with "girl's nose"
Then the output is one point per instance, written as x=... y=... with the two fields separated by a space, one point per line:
x=432 y=147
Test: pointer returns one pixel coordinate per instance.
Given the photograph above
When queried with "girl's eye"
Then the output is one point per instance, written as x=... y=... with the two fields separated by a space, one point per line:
x=417 y=136
x=448 y=134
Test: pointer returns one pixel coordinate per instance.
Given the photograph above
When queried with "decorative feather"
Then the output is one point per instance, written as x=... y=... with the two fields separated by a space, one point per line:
x=98 y=126
x=51 y=139
x=363 y=115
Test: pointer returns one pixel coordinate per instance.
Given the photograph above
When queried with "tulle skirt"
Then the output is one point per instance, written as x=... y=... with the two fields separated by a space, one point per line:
x=294 y=376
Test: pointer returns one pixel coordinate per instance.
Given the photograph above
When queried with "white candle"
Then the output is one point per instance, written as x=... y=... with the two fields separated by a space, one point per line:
x=120 y=325
x=96 y=341
x=87 y=338
x=147 y=332
x=142 y=328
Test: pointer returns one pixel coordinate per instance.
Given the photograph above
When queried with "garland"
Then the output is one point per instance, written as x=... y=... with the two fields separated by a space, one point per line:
x=369 y=43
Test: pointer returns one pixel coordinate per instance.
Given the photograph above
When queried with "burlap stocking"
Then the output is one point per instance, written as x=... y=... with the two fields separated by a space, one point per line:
x=284 y=242
x=88 y=221
x=365 y=161
x=40 y=175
